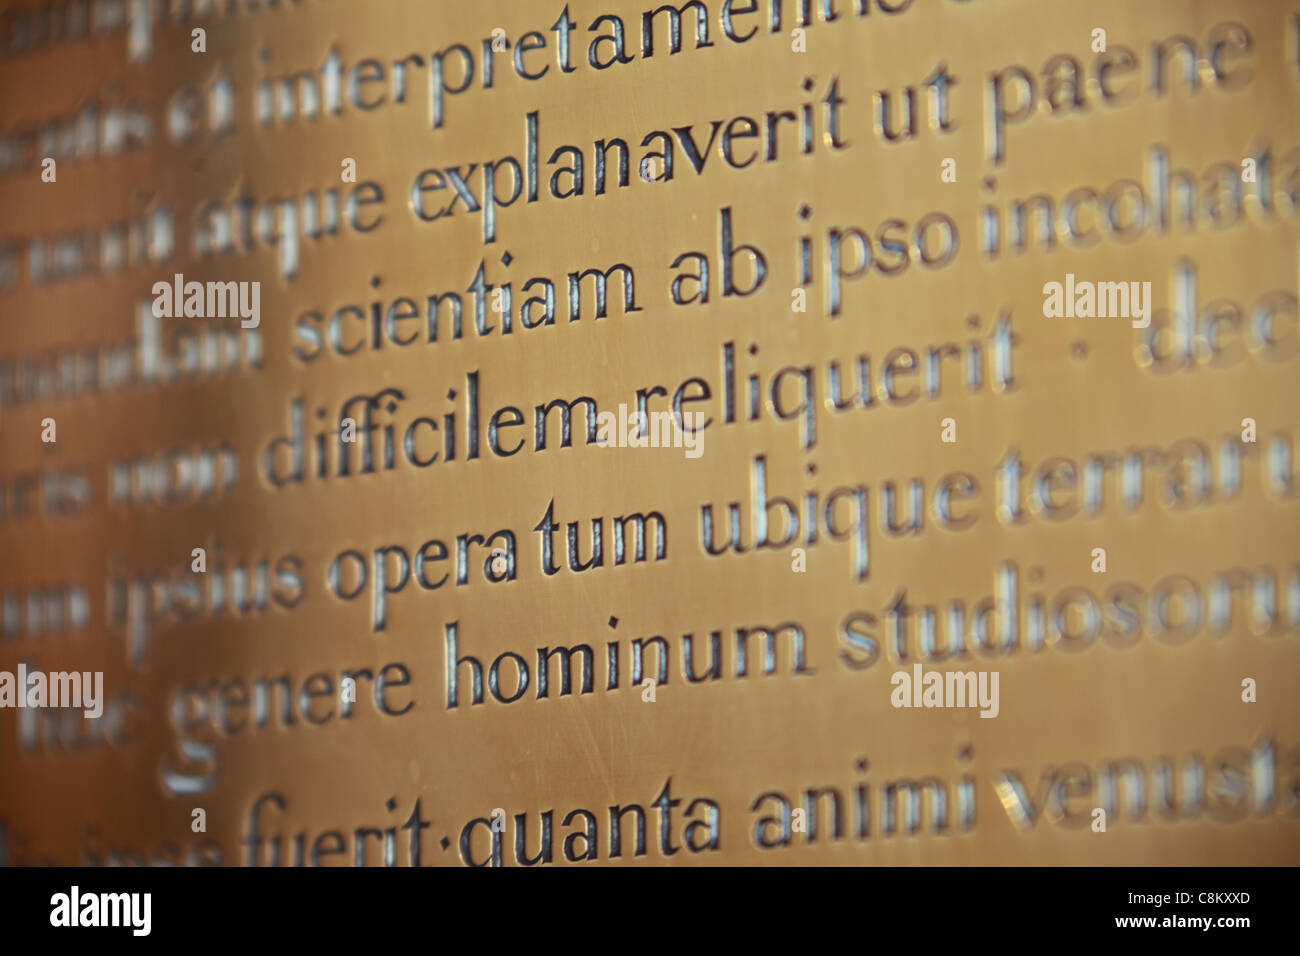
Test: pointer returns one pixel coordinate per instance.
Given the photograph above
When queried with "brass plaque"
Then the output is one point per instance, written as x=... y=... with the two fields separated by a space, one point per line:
x=819 y=432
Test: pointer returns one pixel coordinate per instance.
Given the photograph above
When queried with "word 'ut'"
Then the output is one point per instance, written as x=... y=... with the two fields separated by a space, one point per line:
x=211 y=300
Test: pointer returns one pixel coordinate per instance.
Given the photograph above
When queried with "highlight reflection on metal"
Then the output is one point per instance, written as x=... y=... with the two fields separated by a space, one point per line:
x=913 y=468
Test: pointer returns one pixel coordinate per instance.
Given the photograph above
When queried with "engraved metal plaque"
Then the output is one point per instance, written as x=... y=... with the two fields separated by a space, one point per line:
x=830 y=432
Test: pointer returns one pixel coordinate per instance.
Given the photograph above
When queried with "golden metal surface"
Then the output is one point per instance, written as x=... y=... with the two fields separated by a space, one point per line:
x=1129 y=439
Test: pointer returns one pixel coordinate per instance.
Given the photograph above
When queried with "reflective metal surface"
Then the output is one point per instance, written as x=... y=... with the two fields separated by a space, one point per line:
x=923 y=462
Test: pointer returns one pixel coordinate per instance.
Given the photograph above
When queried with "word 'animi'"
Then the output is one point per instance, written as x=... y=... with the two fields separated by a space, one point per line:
x=211 y=300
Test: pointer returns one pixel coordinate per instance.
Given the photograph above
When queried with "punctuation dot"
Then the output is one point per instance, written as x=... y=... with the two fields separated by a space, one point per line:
x=812 y=469
x=613 y=621
x=972 y=321
x=391 y=803
x=445 y=843
x=753 y=349
x=990 y=183
x=862 y=764
x=808 y=83
x=374 y=282
x=1078 y=351
x=805 y=211
x=451 y=394
x=507 y=258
